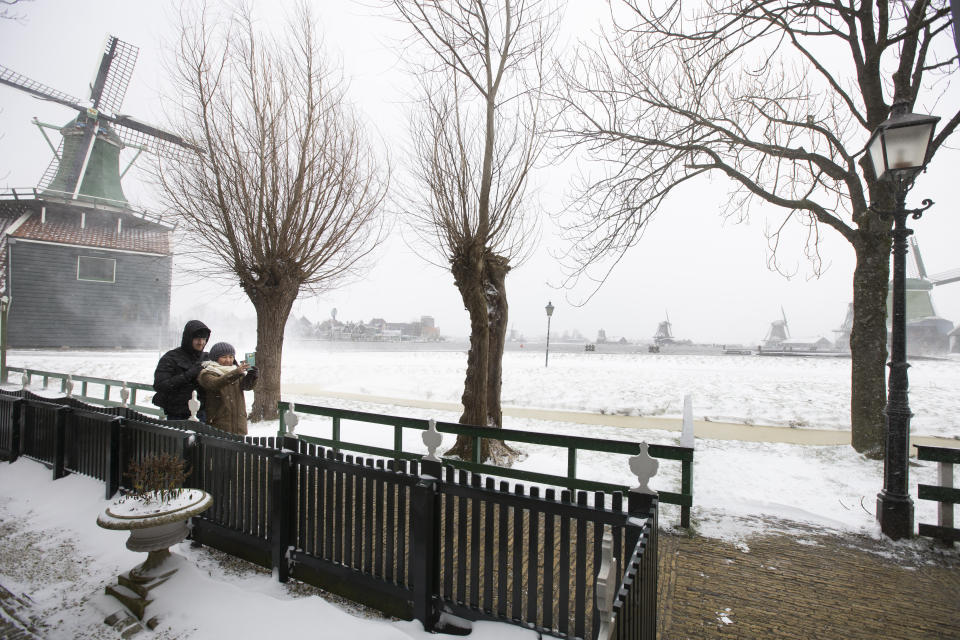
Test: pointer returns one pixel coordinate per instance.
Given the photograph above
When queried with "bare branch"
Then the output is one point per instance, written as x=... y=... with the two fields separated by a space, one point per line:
x=286 y=196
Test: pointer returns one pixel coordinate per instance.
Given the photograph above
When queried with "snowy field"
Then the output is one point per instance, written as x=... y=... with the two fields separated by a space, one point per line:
x=780 y=391
x=735 y=483
x=740 y=489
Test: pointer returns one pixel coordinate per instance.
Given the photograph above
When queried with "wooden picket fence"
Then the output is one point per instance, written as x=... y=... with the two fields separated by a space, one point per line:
x=414 y=539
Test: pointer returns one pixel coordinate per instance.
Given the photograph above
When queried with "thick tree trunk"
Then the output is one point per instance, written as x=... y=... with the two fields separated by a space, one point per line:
x=868 y=341
x=481 y=279
x=496 y=293
x=497 y=267
x=273 y=309
x=468 y=275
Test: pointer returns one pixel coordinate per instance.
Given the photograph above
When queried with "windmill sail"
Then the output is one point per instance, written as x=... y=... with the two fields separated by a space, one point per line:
x=116 y=69
x=88 y=160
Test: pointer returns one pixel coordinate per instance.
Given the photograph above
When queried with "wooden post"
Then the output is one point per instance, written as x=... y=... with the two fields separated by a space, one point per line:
x=60 y=442
x=945 y=509
x=191 y=453
x=423 y=563
x=280 y=514
x=16 y=429
x=114 y=471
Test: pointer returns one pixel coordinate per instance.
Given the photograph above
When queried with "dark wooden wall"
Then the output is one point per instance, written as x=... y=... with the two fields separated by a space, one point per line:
x=50 y=307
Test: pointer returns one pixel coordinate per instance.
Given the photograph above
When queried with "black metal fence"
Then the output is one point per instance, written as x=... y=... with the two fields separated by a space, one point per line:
x=412 y=539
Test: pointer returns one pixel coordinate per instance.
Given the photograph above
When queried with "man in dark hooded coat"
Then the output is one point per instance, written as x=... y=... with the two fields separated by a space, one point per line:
x=175 y=378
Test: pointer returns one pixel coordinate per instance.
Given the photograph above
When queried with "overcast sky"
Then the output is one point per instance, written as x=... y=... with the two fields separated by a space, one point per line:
x=710 y=277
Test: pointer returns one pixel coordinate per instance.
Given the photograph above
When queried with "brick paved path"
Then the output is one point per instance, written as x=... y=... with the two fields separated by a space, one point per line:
x=16 y=622
x=804 y=586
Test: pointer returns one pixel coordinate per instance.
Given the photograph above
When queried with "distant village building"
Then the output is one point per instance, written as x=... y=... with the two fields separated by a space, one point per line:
x=379 y=330
x=817 y=343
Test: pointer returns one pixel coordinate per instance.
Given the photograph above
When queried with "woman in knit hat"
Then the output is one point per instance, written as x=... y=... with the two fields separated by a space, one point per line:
x=225 y=382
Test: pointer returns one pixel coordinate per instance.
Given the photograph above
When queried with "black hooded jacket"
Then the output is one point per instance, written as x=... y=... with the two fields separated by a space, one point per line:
x=175 y=378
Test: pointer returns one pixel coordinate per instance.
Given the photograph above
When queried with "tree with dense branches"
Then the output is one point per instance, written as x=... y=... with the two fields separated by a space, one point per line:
x=475 y=139
x=778 y=96
x=283 y=194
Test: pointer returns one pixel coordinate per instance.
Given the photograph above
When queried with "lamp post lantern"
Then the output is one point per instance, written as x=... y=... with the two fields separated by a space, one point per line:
x=549 y=308
x=898 y=151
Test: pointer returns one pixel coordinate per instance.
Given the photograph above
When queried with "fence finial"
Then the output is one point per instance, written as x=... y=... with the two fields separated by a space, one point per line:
x=194 y=406
x=432 y=438
x=644 y=467
x=125 y=395
x=291 y=420
x=608 y=583
x=68 y=385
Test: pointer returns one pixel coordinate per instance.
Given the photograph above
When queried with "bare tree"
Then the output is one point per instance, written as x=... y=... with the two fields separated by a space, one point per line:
x=285 y=196
x=475 y=141
x=778 y=96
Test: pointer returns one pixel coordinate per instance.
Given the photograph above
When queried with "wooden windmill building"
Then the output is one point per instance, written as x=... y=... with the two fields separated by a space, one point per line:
x=79 y=265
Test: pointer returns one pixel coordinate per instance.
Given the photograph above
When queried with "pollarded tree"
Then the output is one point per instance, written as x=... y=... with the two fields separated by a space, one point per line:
x=475 y=139
x=285 y=196
x=778 y=96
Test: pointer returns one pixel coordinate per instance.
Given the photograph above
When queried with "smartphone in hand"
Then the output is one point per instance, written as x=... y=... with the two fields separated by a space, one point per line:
x=251 y=359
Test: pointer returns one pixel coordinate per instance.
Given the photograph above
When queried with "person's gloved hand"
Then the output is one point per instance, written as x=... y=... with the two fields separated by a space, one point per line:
x=194 y=371
x=253 y=372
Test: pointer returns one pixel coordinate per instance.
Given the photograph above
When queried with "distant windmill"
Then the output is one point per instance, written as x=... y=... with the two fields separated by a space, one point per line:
x=779 y=332
x=927 y=332
x=664 y=333
x=83 y=268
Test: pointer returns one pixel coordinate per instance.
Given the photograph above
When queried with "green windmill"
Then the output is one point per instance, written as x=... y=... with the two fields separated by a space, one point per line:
x=79 y=265
x=927 y=332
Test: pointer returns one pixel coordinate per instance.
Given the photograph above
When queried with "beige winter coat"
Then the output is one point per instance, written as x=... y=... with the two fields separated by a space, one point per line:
x=225 y=405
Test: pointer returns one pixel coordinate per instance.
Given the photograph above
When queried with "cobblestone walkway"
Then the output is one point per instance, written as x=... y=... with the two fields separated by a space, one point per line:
x=16 y=622
x=802 y=585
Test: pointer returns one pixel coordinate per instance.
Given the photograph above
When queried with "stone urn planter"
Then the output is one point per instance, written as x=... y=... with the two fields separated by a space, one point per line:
x=154 y=525
x=155 y=511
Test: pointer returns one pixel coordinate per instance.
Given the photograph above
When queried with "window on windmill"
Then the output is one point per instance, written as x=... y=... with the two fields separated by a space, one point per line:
x=96 y=269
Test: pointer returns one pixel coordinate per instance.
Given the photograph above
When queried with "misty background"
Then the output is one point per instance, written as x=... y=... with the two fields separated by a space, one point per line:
x=709 y=275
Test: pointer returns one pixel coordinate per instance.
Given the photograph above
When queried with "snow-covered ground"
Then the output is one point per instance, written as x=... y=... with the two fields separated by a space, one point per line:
x=740 y=488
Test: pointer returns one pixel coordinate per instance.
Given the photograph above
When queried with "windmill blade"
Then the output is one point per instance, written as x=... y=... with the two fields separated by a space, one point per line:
x=945 y=277
x=153 y=139
x=113 y=77
x=921 y=270
x=19 y=81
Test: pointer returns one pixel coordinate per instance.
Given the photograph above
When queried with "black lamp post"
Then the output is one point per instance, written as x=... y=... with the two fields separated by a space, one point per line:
x=898 y=151
x=546 y=361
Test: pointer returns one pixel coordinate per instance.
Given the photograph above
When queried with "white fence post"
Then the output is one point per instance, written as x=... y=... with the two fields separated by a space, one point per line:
x=291 y=420
x=686 y=435
x=608 y=582
x=945 y=509
x=194 y=406
x=432 y=439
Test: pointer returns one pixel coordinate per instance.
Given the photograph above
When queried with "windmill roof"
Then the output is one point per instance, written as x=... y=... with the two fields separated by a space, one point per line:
x=139 y=239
